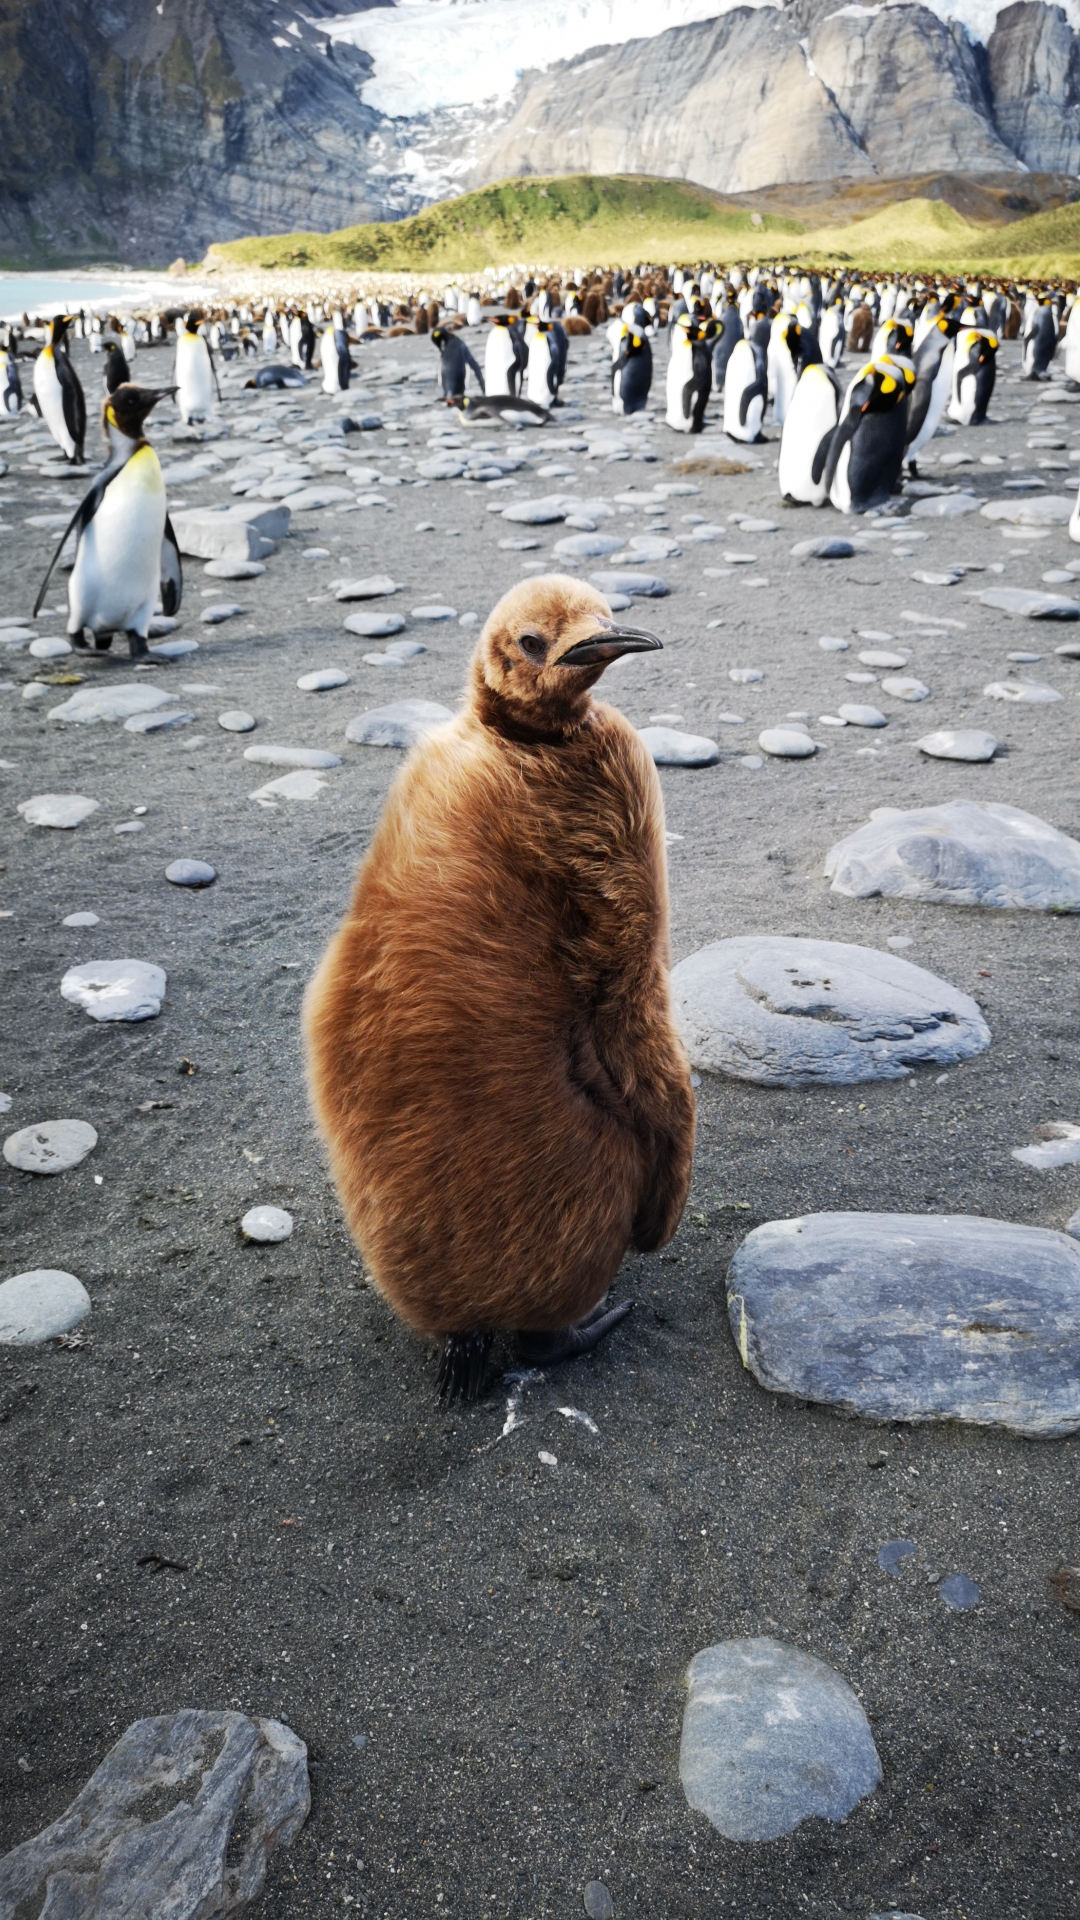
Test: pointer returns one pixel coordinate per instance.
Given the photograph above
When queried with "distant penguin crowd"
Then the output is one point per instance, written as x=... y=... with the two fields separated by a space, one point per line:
x=853 y=374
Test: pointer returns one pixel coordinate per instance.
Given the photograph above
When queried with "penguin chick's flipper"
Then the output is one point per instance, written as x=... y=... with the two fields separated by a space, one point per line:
x=548 y=1349
x=172 y=573
x=463 y=1366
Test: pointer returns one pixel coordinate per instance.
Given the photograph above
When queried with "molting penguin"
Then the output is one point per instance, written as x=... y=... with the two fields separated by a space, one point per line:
x=491 y=1051
x=126 y=553
x=807 y=436
x=1040 y=343
x=867 y=449
x=10 y=384
x=745 y=390
x=196 y=380
x=933 y=365
x=974 y=373
x=504 y=356
x=689 y=373
x=455 y=360
x=59 y=394
x=631 y=376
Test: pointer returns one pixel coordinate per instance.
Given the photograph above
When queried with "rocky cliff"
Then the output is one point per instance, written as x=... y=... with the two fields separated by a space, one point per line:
x=136 y=131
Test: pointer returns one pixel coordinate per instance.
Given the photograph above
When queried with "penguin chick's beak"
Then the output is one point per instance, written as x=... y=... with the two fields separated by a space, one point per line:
x=610 y=643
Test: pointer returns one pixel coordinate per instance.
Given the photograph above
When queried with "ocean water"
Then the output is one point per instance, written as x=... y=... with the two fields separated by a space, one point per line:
x=44 y=294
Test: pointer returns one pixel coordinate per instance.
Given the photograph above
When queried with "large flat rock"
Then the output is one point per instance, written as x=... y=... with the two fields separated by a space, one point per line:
x=400 y=724
x=179 y=1820
x=245 y=531
x=967 y=853
x=1049 y=510
x=772 y=1737
x=38 y=1306
x=917 y=1317
x=790 y=1013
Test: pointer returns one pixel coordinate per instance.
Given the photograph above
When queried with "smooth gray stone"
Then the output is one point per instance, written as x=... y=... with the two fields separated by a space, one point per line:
x=893 y=1554
x=905 y=687
x=525 y=544
x=302 y=784
x=822 y=549
x=960 y=1592
x=82 y=920
x=578 y=546
x=786 y=743
x=904 y=1316
x=964 y=743
x=173 y=649
x=375 y=587
x=652 y=546
x=158 y=722
x=116 y=989
x=597 y=1901
x=434 y=611
x=1030 y=603
x=315 y=757
x=179 y=1820
x=949 y=579
x=57 y=809
x=190 y=873
x=374 y=626
x=946 y=506
x=234 y=569
x=52 y=1147
x=772 y=1737
x=860 y=716
x=322 y=680
x=236 y=721
x=313 y=499
x=214 y=615
x=88 y=705
x=1021 y=693
x=38 y=1306
x=648 y=585
x=670 y=748
x=244 y=531
x=445 y=466
x=1050 y=510
x=400 y=724
x=791 y=1013
x=967 y=853
x=269 y=1225
x=539 y=513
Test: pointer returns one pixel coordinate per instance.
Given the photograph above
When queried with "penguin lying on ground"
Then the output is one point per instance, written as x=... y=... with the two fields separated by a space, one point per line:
x=455 y=359
x=492 y=406
x=59 y=395
x=277 y=377
x=491 y=1052
x=126 y=556
x=867 y=450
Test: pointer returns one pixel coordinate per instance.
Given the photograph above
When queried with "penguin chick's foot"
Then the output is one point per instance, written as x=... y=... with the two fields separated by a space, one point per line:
x=463 y=1366
x=548 y=1349
x=137 y=647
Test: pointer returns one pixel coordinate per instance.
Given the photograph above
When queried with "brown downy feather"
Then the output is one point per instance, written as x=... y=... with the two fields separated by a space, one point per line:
x=491 y=1052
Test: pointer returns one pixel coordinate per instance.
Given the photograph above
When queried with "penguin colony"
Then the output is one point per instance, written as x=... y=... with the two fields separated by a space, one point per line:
x=571 y=1093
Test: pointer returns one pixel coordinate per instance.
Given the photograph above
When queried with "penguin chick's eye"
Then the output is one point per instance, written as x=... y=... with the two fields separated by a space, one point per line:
x=532 y=645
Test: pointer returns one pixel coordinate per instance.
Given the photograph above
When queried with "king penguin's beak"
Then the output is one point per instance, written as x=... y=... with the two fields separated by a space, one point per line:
x=608 y=644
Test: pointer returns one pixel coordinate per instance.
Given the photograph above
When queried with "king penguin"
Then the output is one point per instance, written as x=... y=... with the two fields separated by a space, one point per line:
x=782 y=362
x=729 y=329
x=831 y=334
x=689 y=373
x=504 y=357
x=195 y=376
x=933 y=365
x=1040 y=342
x=631 y=375
x=540 y=381
x=116 y=372
x=10 y=384
x=59 y=395
x=807 y=436
x=1072 y=344
x=745 y=390
x=974 y=373
x=867 y=449
x=491 y=1051
x=455 y=359
x=126 y=554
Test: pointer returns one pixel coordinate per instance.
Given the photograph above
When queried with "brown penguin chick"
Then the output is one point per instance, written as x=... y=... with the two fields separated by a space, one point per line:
x=491 y=1052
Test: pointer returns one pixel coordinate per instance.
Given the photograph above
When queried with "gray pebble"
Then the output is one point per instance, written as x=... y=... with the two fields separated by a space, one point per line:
x=51 y=1147
x=39 y=1305
x=322 y=680
x=959 y=1592
x=267 y=1224
x=234 y=569
x=893 y=1554
x=400 y=724
x=236 y=721
x=82 y=920
x=374 y=626
x=116 y=989
x=958 y=744
x=316 y=758
x=190 y=873
x=57 y=809
x=787 y=743
x=434 y=612
x=213 y=616
x=857 y=716
x=669 y=748
x=598 y=1902
x=158 y=722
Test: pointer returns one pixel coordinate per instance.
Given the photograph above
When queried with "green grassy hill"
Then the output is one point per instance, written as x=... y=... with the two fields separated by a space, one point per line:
x=588 y=220
x=576 y=220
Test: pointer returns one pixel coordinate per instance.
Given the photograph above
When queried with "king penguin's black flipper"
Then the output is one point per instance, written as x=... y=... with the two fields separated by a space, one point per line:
x=78 y=523
x=463 y=1366
x=172 y=573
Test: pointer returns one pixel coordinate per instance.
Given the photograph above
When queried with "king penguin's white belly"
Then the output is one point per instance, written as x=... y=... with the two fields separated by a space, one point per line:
x=194 y=376
x=536 y=387
x=50 y=398
x=117 y=574
x=498 y=360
